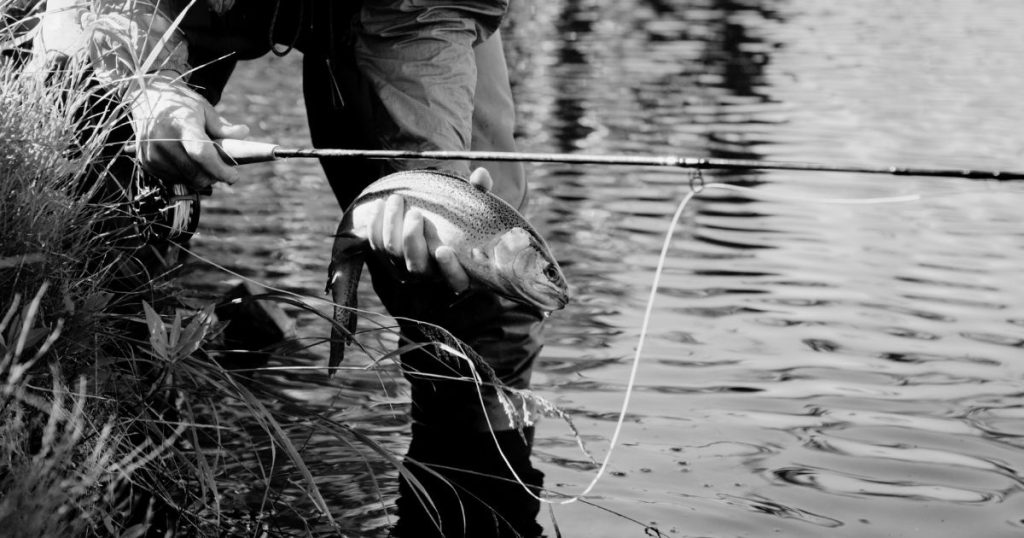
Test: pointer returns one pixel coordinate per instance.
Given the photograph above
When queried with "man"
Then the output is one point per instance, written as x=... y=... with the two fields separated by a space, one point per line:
x=394 y=74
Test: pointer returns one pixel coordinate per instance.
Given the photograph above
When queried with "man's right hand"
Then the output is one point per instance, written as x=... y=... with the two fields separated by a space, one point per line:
x=414 y=249
x=175 y=128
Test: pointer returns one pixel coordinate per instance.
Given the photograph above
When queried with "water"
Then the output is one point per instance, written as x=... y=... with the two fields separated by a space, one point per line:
x=811 y=369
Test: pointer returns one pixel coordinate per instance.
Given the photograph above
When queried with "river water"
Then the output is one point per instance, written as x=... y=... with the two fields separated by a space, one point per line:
x=811 y=369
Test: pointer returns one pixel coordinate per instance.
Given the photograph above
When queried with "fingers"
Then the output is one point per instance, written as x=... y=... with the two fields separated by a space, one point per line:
x=451 y=269
x=201 y=150
x=377 y=227
x=197 y=142
x=168 y=160
x=392 y=226
x=400 y=235
x=218 y=127
x=175 y=127
x=481 y=179
x=414 y=242
x=411 y=242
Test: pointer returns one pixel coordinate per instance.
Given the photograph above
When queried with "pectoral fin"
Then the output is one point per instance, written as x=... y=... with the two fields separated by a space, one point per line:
x=343 y=280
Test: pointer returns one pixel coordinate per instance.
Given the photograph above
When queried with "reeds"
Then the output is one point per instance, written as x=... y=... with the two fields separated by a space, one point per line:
x=114 y=419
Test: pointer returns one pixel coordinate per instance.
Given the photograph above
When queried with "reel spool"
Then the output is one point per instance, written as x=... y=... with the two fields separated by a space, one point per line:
x=183 y=213
x=164 y=213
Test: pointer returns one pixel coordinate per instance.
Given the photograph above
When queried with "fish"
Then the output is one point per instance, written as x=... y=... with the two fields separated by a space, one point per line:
x=496 y=245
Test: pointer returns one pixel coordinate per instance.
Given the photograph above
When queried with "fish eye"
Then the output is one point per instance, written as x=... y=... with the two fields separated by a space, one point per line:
x=551 y=272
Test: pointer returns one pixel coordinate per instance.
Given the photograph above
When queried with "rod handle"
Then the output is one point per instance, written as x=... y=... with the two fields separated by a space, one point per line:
x=237 y=151
x=233 y=151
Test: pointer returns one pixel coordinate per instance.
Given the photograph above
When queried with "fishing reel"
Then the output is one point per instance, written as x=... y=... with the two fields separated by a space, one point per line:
x=162 y=213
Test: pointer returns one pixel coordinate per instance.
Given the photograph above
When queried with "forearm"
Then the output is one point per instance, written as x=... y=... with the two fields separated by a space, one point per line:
x=119 y=38
x=133 y=37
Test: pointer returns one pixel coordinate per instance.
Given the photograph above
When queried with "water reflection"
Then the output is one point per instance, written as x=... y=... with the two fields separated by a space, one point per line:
x=770 y=306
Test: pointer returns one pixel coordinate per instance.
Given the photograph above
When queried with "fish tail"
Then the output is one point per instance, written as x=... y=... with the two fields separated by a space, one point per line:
x=343 y=281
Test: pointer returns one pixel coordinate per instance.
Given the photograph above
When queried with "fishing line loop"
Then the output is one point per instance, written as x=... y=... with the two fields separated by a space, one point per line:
x=697 y=185
x=273 y=27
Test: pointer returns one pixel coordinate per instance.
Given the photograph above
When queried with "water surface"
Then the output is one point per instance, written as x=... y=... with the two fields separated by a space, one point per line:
x=812 y=369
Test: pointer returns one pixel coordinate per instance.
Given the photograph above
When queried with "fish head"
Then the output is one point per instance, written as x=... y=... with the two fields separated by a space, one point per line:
x=528 y=270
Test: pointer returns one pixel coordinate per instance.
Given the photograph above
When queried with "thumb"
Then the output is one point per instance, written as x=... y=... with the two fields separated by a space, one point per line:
x=218 y=127
x=481 y=179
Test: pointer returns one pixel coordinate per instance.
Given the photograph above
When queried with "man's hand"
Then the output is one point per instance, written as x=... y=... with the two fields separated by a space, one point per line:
x=175 y=127
x=414 y=248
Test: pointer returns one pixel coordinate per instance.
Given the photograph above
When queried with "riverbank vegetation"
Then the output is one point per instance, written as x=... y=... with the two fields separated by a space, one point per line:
x=116 y=418
x=122 y=411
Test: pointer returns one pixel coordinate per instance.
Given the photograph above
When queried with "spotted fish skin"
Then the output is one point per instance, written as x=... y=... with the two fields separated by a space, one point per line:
x=477 y=215
x=484 y=231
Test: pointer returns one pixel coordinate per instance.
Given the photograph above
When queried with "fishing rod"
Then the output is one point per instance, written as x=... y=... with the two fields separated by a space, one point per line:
x=245 y=152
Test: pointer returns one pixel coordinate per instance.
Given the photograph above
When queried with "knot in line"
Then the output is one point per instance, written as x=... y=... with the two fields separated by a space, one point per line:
x=696 y=181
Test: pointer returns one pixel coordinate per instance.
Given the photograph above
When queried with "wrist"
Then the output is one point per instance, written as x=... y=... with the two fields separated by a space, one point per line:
x=166 y=74
x=160 y=80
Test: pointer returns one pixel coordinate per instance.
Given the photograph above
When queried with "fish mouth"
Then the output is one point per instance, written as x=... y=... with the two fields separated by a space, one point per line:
x=541 y=294
x=546 y=303
x=562 y=300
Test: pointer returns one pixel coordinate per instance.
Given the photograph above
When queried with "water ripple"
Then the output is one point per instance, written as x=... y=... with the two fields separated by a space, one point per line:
x=840 y=484
x=767 y=506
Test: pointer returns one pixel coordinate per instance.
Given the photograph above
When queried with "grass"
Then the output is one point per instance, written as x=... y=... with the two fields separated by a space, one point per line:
x=63 y=453
x=115 y=418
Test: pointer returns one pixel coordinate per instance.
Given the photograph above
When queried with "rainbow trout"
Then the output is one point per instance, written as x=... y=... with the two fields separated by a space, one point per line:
x=494 y=243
